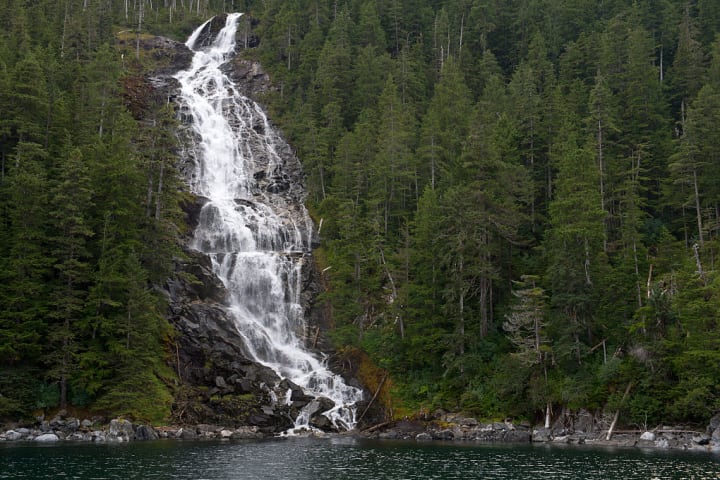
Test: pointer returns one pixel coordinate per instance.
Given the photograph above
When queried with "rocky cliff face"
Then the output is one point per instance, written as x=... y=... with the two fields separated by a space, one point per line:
x=219 y=384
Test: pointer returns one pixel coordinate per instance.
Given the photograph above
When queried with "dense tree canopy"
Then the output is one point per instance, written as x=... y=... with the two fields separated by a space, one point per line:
x=519 y=198
x=570 y=142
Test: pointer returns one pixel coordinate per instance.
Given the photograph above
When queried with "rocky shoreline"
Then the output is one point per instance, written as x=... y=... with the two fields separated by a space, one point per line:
x=457 y=428
x=119 y=430
x=448 y=428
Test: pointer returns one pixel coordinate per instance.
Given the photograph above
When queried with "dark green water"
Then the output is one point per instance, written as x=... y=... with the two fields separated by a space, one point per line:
x=345 y=458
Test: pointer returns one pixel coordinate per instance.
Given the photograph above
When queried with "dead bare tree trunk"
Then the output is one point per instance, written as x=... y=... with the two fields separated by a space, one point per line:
x=617 y=413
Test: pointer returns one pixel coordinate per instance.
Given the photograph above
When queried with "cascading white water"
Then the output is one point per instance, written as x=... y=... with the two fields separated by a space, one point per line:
x=257 y=239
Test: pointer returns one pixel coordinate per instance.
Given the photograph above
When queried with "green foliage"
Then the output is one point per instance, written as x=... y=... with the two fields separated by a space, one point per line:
x=543 y=149
x=79 y=245
x=449 y=149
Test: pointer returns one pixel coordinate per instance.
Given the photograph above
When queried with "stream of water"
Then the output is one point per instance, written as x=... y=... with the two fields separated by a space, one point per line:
x=258 y=237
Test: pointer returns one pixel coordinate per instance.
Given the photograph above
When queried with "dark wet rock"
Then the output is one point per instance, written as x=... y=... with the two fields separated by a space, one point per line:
x=192 y=208
x=390 y=435
x=542 y=435
x=298 y=397
x=322 y=422
x=316 y=409
x=278 y=187
x=517 y=436
x=145 y=432
x=223 y=386
x=319 y=405
x=209 y=32
x=445 y=434
x=249 y=74
x=187 y=434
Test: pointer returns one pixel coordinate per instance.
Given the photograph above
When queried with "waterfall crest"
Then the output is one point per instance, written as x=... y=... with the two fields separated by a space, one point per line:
x=257 y=238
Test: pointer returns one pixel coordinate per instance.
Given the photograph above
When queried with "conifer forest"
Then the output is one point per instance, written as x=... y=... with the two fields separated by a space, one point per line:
x=518 y=200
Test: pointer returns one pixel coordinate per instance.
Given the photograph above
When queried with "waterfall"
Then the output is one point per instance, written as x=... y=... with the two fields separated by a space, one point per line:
x=256 y=237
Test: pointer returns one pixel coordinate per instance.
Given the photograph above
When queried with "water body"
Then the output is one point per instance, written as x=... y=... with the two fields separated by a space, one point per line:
x=346 y=458
x=257 y=235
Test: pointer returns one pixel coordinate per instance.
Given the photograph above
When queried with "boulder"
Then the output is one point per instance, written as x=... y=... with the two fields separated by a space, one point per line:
x=319 y=405
x=13 y=435
x=648 y=436
x=516 y=436
x=542 y=435
x=445 y=434
x=321 y=422
x=298 y=397
x=187 y=434
x=120 y=430
x=47 y=438
x=389 y=435
x=72 y=424
x=146 y=432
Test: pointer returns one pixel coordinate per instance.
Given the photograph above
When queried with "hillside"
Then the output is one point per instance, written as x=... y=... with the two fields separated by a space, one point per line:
x=518 y=200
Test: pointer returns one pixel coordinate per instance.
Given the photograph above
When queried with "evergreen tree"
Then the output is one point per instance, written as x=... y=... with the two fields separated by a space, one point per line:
x=71 y=201
x=392 y=176
x=445 y=125
x=574 y=242
x=26 y=264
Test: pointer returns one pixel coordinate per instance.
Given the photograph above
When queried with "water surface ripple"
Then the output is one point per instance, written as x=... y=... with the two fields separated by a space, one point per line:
x=346 y=458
